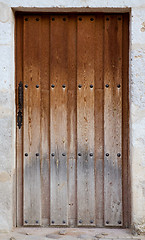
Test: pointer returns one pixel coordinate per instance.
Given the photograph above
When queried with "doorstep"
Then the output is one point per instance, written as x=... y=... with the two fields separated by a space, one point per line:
x=69 y=234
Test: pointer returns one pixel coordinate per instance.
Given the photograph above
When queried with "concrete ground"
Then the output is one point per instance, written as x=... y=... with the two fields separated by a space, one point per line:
x=69 y=234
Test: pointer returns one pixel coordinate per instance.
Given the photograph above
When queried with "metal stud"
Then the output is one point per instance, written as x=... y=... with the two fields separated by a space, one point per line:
x=91 y=86
x=26 y=19
x=107 y=222
x=80 y=221
x=63 y=222
x=26 y=154
x=52 y=222
x=26 y=86
x=63 y=86
x=107 y=154
x=92 y=19
x=119 y=222
x=91 y=154
x=37 y=154
x=79 y=154
x=37 y=86
x=53 y=19
x=118 y=86
x=52 y=154
x=119 y=18
x=26 y=221
x=80 y=19
x=64 y=19
x=118 y=154
x=91 y=221
x=52 y=85
x=107 y=19
x=37 y=19
x=63 y=154
x=37 y=221
x=79 y=85
x=107 y=85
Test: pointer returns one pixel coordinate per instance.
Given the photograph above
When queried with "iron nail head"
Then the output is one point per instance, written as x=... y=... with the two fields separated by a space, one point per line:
x=118 y=154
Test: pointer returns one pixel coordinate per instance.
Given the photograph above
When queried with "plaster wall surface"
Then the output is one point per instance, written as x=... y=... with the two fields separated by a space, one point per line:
x=7 y=96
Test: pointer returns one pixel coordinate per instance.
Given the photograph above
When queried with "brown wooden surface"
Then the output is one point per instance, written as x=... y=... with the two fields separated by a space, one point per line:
x=58 y=55
x=19 y=77
x=113 y=121
x=45 y=119
x=31 y=68
x=72 y=138
x=58 y=121
x=99 y=119
x=125 y=126
x=85 y=122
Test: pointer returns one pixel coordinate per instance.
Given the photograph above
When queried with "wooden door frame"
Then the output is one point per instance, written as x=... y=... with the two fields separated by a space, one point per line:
x=19 y=132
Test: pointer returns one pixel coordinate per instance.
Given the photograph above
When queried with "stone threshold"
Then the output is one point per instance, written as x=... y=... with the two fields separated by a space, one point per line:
x=69 y=234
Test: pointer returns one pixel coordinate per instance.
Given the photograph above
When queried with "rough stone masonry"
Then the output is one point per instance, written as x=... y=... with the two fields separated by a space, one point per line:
x=136 y=96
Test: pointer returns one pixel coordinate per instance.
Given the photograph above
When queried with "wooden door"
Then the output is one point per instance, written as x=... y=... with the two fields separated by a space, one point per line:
x=72 y=115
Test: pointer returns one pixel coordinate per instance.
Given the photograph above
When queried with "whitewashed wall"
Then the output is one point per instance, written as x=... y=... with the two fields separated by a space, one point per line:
x=7 y=96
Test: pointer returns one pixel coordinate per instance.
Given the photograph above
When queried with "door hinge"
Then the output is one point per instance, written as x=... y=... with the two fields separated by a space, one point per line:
x=20 y=105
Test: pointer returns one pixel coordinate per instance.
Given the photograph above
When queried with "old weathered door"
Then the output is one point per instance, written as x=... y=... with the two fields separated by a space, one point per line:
x=72 y=115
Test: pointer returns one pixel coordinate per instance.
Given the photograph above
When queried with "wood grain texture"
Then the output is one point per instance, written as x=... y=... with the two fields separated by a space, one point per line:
x=64 y=49
x=31 y=71
x=99 y=156
x=45 y=120
x=58 y=120
x=19 y=77
x=99 y=119
x=99 y=52
x=72 y=103
x=85 y=121
x=125 y=126
x=113 y=121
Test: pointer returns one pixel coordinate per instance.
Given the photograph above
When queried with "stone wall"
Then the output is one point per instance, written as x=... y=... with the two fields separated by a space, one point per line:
x=7 y=96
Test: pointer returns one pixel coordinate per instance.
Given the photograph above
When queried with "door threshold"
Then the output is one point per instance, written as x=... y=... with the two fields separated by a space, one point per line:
x=69 y=233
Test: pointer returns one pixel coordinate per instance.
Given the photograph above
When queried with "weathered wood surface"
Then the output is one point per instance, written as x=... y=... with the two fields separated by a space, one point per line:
x=31 y=143
x=19 y=78
x=45 y=119
x=113 y=120
x=72 y=131
x=70 y=120
x=85 y=121
x=99 y=119
x=125 y=126
x=58 y=120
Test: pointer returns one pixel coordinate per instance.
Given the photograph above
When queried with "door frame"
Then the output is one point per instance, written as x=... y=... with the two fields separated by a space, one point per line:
x=125 y=130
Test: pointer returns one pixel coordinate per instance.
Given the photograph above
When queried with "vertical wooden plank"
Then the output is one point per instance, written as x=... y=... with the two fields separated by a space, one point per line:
x=58 y=120
x=72 y=103
x=85 y=121
x=113 y=121
x=45 y=120
x=125 y=133
x=31 y=150
x=99 y=118
x=19 y=78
